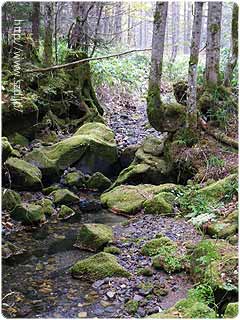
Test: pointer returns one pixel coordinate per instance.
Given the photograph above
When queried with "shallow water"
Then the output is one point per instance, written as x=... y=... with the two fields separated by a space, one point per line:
x=40 y=280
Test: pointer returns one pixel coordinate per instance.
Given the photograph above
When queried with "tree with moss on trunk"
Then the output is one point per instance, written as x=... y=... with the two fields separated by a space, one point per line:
x=213 y=43
x=48 y=39
x=192 y=114
x=35 y=22
x=232 y=61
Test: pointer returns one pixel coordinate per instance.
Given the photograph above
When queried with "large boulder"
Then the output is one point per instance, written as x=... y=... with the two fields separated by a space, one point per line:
x=129 y=199
x=24 y=176
x=92 y=148
x=10 y=199
x=93 y=237
x=98 y=267
x=28 y=213
x=160 y=204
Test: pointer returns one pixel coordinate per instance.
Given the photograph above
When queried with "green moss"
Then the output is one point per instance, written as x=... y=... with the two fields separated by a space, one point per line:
x=92 y=147
x=130 y=199
x=65 y=212
x=28 y=213
x=19 y=139
x=97 y=267
x=147 y=272
x=64 y=196
x=75 y=179
x=99 y=181
x=10 y=199
x=112 y=250
x=24 y=176
x=160 y=204
x=47 y=206
x=6 y=149
x=94 y=237
x=231 y=310
x=131 y=306
x=153 y=247
x=50 y=189
x=224 y=228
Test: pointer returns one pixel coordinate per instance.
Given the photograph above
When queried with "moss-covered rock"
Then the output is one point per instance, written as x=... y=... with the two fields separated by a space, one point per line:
x=164 y=253
x=159 y=204
x=50 y=189
x=94 y=237
x=130 y=199
x=99 y=181
x=112 y=250
x=223 y=228
x=19 y=139
x=10 y=199
x=131 y=307
x=153 y=145
x=64 y=196
x=97 y=267
x=6 y=149
x=75 y=178
x=231 y=310
x=28 y=213
x=24 y=176
x=187 y=309
x=65 y=212
x=147 y=272
x=92 y=148
x=215 y=262
x=47 y=206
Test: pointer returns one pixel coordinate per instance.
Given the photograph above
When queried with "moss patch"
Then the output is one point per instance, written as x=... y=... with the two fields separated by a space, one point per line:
x=231 y=310
x=161 y=203
x=97 y=267
x=99 y=181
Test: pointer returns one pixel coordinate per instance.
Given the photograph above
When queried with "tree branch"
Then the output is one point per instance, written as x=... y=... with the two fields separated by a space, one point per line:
x=61 y=66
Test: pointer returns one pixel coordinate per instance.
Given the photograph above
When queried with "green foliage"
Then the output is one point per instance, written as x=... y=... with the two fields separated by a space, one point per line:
x=231 y=190
x=202 y=293
x=215 y=161
x=171 y=261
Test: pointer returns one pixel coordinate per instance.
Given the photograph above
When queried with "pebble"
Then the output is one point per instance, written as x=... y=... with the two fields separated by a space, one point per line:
x=111 y=294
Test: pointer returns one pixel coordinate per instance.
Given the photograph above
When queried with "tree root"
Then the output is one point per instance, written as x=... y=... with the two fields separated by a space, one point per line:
x=220 y=136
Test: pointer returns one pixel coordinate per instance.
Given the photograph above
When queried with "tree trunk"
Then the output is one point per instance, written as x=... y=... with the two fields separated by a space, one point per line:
x=192 y=71
x=35 y=22
x=48 y=40
x=159 y=27
x=213 y=43
x=129 y=35
x=233 y=56
x=118 y=22
x=175 y=30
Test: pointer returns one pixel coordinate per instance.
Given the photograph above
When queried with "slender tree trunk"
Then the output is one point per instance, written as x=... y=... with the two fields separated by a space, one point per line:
x=35 y=22
x=118 y=22
x=175 y=30
x=213 y=43
x=192 y=71
x=48 y=40
x=189 y=25
x=185 y=45
x=233 y=56
x=159 y=27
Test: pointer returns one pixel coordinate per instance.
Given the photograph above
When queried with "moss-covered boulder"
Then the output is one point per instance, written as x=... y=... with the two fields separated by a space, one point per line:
x=164 y=252
x=65 y=212
x=51 y=188
x=24 y=176
x=99 y=181
x=64 y=196
x=19 y=139
x=98 y=267
x=6 y=149
x=10 y=199
x=75 y=178
x=94 y=237
x=215 y=262
x=231 y=310
x=92 y=148
x=47 y=206
x=223 y=228
x=129 y=199
x=28 y=213
x=160 y=204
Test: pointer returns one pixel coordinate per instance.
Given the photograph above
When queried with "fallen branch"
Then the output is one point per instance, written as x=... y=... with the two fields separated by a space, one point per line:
x=70 y=64
x=222 y=137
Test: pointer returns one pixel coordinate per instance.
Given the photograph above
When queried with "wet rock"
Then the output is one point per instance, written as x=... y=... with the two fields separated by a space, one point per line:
x=94 y=237
x=99 y=181
x=97 y=267
x=64 y=196
x=10 y=199
x=89 y=205
x=24 y=176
